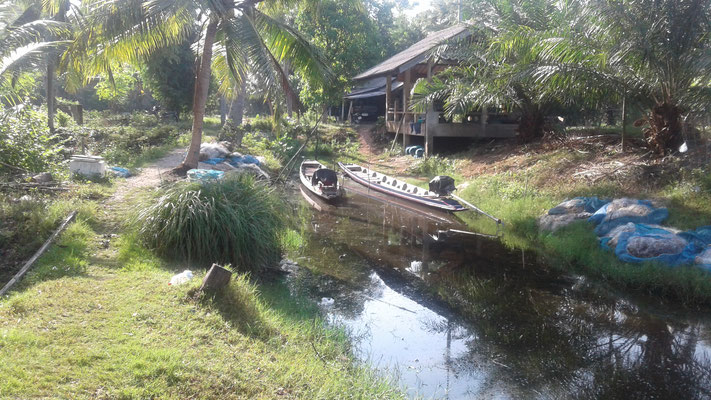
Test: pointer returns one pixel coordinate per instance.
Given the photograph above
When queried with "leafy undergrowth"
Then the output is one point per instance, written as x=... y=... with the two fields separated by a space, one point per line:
x=90 y=322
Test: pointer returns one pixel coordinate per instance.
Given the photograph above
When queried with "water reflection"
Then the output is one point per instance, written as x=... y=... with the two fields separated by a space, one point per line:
x=460 y=316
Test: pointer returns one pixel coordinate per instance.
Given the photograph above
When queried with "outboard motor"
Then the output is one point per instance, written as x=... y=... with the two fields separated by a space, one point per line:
x=327 y=177
x=442 y=185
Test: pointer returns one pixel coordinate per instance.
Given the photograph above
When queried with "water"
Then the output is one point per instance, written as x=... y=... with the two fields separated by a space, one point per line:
x=460 y=316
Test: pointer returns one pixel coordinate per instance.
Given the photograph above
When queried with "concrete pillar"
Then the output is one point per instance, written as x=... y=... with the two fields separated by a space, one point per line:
x=405 y=109
x=484 y=117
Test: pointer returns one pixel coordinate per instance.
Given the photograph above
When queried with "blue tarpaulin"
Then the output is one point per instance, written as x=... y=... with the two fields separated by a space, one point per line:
x=234 y=161
x=640 y=239
x=205 y=174
x=607 y=221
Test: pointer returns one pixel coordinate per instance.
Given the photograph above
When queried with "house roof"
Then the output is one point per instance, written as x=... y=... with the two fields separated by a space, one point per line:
x=372 y=91
x=414 y=54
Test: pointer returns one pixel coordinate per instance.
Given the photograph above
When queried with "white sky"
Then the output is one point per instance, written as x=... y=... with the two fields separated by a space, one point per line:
x=417 y=6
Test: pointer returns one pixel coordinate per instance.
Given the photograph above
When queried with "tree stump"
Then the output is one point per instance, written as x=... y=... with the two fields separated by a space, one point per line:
x=216 y=278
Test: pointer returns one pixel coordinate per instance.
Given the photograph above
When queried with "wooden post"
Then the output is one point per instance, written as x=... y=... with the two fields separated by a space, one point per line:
x=429 y=116
x=406 y=94
x=350 y=110
x=624 y=120
x=405 y=108
x=343 y=109
x=388 y=95
x=484 y=116
x=216 y=278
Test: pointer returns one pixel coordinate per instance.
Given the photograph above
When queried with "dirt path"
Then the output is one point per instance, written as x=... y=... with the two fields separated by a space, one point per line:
x=150 y=176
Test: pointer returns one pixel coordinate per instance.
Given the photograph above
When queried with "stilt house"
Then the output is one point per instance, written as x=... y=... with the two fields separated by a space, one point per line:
x=384 y=90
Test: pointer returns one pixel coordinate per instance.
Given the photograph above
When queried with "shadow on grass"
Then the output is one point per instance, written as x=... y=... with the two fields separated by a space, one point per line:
x=240 y=305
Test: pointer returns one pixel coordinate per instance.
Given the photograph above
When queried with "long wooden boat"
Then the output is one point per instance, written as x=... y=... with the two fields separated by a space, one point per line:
x=319 y=180
x=402 y=190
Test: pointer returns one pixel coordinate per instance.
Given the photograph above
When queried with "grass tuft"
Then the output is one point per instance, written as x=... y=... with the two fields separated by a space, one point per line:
x=236 y=221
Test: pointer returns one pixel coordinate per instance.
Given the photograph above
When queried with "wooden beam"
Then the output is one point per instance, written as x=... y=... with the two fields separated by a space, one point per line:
x=429 y=141
x=388 y=94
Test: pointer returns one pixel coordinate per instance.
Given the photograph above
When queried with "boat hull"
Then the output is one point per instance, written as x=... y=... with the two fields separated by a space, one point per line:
x=441 y=203
x=306 y=182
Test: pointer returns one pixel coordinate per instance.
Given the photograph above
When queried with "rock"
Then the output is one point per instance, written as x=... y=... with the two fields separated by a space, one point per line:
x=229 y=146
x=42 y=177
x=552 y=223
x=213 y=150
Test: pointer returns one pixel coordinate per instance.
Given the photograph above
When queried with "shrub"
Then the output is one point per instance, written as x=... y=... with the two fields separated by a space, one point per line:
x=25 y=142
x=433 y=166
x=237 y=220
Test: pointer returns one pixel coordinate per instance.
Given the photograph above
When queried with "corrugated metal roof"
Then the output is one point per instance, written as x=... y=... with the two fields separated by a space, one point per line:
x=413 y=54
x=372 y=91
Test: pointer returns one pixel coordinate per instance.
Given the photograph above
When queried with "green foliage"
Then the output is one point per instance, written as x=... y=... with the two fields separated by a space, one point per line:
x=169 y=74
x=26 y=223
x=350 y=37
x=26 y=143
x=432 y=166
x=123 y=89
x=63 y=119
x=237 y=221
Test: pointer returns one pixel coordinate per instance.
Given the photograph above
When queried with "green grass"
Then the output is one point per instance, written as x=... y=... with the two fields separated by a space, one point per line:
x=91 y=321
x=515 y=199
x=127 y=334
x=237 y=220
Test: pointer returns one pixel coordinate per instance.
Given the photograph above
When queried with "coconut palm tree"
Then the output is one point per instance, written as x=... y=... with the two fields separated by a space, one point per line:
x=656 y=51
x=235 y=36
x=24 y=37
x=497 y=70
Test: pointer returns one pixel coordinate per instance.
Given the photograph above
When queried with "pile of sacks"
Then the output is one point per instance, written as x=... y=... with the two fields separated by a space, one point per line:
x=631 y=228
x=216 y=156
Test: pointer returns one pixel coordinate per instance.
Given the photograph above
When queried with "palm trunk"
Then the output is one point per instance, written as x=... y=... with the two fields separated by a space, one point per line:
x=237 y=107
x=202 y=84
x=51 y=99
x=531 y=125
x=664 y=131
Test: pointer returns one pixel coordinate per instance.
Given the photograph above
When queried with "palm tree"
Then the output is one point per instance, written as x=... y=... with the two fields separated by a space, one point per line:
x=496 y=71
x=234 y=37
x=658 y=52
x=24 y=37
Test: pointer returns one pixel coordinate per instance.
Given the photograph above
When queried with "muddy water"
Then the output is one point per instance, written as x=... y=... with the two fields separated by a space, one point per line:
x=459 y=316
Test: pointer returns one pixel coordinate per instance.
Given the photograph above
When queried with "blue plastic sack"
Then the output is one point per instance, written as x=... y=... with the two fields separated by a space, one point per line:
x=696 y=242
x=589 y=204
x=121 y=172
x=654 y=217
x=245 y=159
x=214 y=161
x=203 y=175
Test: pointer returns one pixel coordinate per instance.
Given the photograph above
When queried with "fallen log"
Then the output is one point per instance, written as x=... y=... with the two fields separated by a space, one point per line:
x=38 y=254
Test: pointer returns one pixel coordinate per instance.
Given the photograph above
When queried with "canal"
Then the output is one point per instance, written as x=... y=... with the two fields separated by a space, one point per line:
x=457 y=315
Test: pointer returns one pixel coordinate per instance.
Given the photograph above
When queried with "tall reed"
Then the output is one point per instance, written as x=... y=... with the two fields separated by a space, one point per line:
x=237 y=220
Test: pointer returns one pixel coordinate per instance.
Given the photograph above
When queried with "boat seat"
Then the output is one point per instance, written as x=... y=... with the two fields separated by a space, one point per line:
x=394 y=182
x=375 y=174
x=404 y=186
x=385 y=179
x=414 y=190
